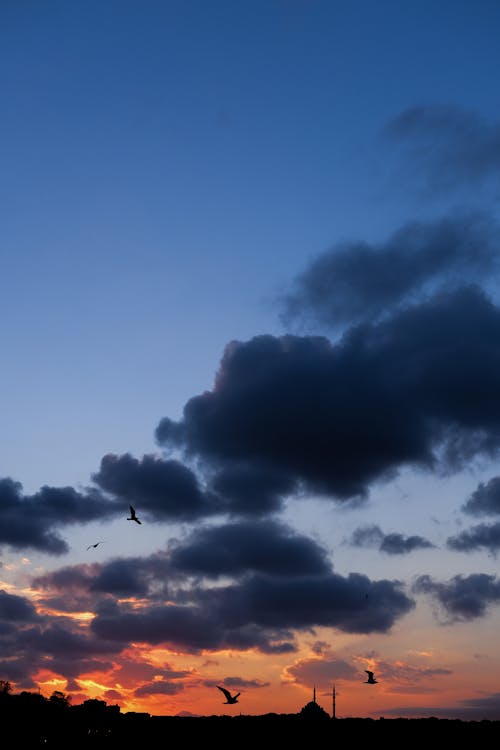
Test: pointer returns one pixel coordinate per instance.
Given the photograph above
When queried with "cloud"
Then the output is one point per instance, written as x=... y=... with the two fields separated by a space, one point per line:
x=237 y=682
x=111 y=696
x=419 y=389
x=259 y=612
x=397 y=544
x=16 y=609
x=367 y=536
x=485 y=500
x=357 y=281
x=482 y=536
x=129 y=672
x=250 y=490
x=57 y=640
x=261 y=546
x=159 y=687
x=447 y=147
x=28 y=521
x=230 y=550
x=320 y=672
x=50 y=643
x=188 y=629
x=273 y=581
x=80 y=585
x=164 y=489
x=405 y=677
x=462 y=598
x=296 y=415
x=391 y=544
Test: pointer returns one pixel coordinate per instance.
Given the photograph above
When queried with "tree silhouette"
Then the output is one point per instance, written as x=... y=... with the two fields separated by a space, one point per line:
x=59 y=699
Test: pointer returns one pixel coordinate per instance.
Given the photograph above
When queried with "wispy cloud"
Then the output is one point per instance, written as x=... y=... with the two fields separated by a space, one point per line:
x=447 y=147
x=485 y=500
x=357 y=281
x=483 y=536
x=391 y=544
x=462 y=598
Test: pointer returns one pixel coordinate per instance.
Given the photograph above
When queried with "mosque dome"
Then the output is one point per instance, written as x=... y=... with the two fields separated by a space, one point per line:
x=313 y=710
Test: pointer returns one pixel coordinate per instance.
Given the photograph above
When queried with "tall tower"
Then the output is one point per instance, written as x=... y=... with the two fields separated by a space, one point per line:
x=314 y=694
x=334 y=696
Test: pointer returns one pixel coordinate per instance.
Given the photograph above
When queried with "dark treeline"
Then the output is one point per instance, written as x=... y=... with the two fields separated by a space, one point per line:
x=35 y=721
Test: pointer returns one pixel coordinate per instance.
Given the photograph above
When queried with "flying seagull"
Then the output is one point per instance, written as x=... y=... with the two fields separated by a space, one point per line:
x=96 y=544
x=371 y=680
x=229 y=698
x=133 y=517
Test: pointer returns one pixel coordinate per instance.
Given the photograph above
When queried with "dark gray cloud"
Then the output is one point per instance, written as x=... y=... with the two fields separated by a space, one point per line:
x=57 y=644
x=419 y=389
x=128 y=577
x=391 y=544
x=164 y=489
x=353 y=604
x=159 y=687
x=291 y=415
x=267 y=601
x=357 y=281
x=462 y=598
x=29 y=521
x=236 y=548
x=397 y=544
x=81 y=585
x=250 y=490
x=57 y=640
x=18 y=670
x=485 y=500
x=16 y=609
x=260 y=612
x=68 y=589
x=367 y=536
x=447 y=147
x=231 y=550
x=483 y=536
x=187 y=628
x=275 y=583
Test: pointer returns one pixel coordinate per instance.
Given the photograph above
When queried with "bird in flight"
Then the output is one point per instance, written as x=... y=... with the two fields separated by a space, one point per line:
x=229 y=698
x=133 y=517
x=96 y=544
x=371 y=680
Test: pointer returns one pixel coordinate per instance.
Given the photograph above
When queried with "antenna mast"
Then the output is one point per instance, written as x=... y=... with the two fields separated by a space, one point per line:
x=334 y=696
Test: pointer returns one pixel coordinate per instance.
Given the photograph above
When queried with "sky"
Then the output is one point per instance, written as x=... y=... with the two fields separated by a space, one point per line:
x=250 y=261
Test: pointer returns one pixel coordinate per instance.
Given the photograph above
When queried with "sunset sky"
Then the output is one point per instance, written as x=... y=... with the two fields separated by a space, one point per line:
x=250 y=255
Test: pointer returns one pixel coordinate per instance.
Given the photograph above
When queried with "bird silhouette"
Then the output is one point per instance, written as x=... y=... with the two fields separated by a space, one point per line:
x=371 y=680
x=229 y=698
x=96 y=544
x=133 y=517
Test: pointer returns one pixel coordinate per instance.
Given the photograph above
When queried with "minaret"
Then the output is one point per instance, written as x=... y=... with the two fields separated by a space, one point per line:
x=333 y=701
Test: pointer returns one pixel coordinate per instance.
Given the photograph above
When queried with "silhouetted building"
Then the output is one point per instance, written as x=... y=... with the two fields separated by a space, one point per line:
x=313 y=710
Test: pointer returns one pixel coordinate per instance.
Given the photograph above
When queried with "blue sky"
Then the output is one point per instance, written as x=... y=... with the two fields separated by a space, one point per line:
x=179 y=175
